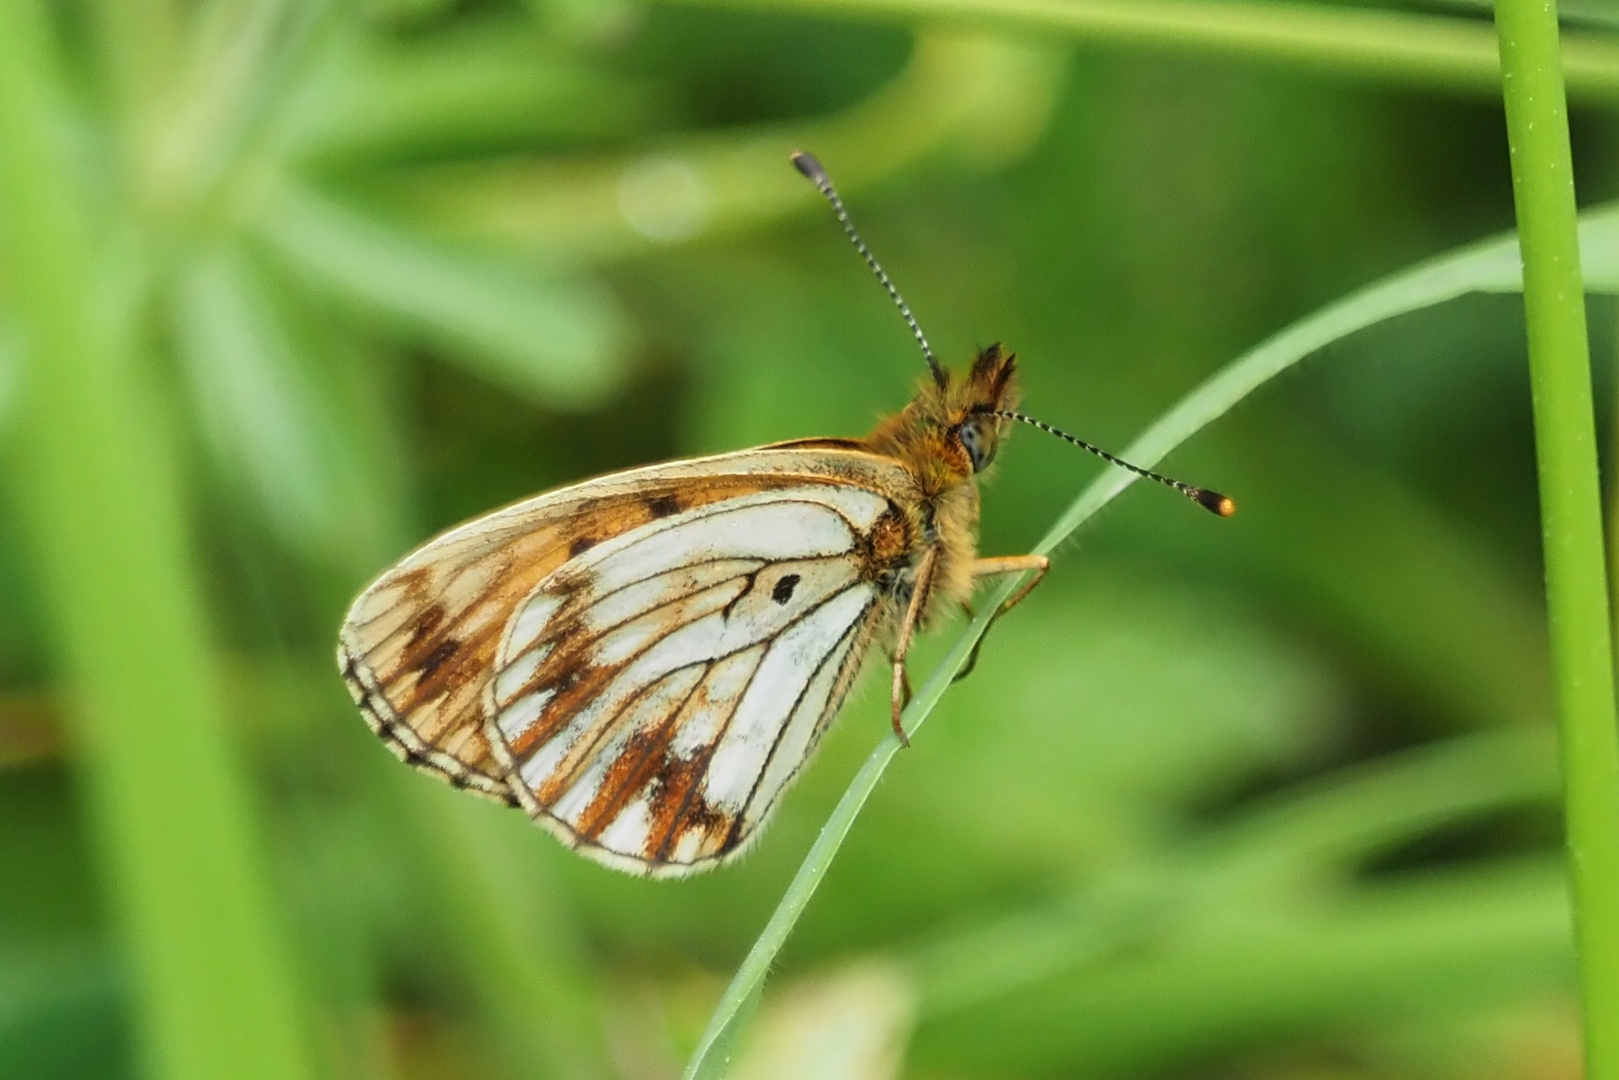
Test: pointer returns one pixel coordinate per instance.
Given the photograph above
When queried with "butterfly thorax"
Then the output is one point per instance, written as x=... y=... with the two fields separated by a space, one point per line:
x=945 y=437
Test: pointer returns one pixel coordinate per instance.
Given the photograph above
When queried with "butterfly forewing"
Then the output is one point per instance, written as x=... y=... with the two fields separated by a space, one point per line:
x=644 y=660
x=655 y=695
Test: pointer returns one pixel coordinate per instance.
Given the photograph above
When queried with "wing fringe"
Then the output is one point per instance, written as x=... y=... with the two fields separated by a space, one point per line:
x=404 y=743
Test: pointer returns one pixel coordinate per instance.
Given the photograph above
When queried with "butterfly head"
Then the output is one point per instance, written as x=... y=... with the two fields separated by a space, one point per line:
x=989 y=388
x=951 y=431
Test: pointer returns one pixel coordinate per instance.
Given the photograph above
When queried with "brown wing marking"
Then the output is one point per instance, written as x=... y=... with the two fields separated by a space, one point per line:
x=695 y=834
x=639 y=764
x=678 y=809
x=571 y=677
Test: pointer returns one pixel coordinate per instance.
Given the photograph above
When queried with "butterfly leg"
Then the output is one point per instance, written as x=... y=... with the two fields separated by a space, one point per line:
x=921 y=586
x=1003 y=564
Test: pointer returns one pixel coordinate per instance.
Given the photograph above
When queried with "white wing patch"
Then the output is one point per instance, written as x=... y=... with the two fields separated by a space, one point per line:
x=784 y=674
x=809 y=720
x=653 y=696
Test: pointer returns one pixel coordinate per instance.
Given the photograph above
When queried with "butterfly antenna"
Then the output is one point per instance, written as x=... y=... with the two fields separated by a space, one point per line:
x=1211 y=501
x=816 y=172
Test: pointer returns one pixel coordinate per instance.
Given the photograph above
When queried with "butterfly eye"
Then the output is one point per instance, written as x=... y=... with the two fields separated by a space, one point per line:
x=979 y=446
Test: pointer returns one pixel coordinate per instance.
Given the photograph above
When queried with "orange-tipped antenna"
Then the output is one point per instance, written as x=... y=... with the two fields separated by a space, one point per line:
x=807 y=164
x=1212 y=501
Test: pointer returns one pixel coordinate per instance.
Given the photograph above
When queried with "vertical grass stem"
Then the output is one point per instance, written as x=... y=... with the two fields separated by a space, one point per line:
x=213 y=994
x=1571 y=516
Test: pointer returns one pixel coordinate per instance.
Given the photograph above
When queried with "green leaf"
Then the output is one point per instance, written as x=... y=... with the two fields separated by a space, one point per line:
x=268 y=421
x=558 y=341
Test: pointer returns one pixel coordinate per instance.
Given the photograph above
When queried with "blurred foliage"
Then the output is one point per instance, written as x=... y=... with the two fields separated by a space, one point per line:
x=1273 y=797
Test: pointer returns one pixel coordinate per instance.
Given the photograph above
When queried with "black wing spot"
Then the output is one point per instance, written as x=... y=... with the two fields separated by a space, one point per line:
x=783 y=591
x=580 y=545
x=661 y=506
x=436 y=659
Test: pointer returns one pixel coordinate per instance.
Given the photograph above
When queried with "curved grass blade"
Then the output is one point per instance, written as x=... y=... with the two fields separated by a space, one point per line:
x=981 y=98
x=1395 y=47
x=1319 y=830
x=98 y=496
x=1488 y=266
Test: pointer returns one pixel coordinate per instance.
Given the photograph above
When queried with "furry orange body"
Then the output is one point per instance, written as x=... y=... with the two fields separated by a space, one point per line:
x=926 y=438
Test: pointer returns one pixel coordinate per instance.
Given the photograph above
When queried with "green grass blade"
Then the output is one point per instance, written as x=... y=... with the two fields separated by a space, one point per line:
x=1389 y=46
x=1596 y=12
x=1489 y=266
x=1570 y=504
x=99 y=499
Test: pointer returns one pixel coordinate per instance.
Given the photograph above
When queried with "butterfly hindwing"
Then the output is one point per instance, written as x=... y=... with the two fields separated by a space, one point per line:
x=654 y=696
x=419 y=646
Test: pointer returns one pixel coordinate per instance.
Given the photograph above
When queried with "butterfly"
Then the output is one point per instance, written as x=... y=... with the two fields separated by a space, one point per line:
x=644 y=661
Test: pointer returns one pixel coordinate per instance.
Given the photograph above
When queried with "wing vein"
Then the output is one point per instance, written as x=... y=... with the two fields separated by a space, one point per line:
x=670 y=524
x=611 y=722
x=652 y=642
x=781 y=732
x=736 y=703
x=652 y=747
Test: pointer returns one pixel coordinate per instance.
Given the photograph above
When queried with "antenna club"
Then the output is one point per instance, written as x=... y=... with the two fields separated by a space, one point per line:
x=1215 y=503
x=806 y=163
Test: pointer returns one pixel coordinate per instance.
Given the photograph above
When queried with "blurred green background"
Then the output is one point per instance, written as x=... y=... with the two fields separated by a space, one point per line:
x=288 y=286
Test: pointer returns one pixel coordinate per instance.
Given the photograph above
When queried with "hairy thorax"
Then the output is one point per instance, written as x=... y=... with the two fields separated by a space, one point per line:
x=955 y=523
x=947 y=523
